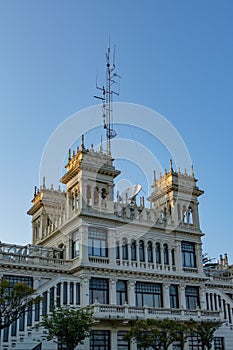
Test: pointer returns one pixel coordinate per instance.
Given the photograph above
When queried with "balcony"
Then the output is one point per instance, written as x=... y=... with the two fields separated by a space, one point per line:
x=129 y=313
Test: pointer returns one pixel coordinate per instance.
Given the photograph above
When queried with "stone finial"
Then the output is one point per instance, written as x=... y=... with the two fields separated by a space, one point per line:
x=91 y=148
x=51 y=188
x=192 y=171
x=82 y=144
x=179 y=170
x=73 y=153
x=43 y=184
x=171 y=168
x=69 y=154
x=154 y=175
x=77 y=149
x=185 y=172
x=35 y=191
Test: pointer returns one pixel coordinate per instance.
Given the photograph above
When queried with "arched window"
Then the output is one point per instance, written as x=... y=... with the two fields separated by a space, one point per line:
x=133 y=251
x=149 y=252
x=141 y=251
x=157 y=254
x=165 y=254
x=124 y=250
x=96 y=196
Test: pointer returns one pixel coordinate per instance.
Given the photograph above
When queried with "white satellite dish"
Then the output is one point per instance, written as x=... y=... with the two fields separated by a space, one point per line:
x=130 y=193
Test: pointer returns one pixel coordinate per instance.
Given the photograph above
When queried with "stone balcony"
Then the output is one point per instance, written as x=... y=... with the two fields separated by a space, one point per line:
x=128 y=313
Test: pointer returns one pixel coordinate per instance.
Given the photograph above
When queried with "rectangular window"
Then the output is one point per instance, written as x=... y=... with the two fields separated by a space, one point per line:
x=14 y=328
x=97 y=242
x=65 y=293
x=219 y=343
x=99 y=290
x=59 y=294
x=77 y=294
x=13 y=280
x=121 y=343
x=174 y=297
x=22 y=322
x=44 y=303
x=100 y=340
x=149 y=294
x=71 y=292
x=188 y=254
x=5 y=334
x=29 y=316
x=194 y=343
x=37 y=311
x=51 y=299
x=121 y=288
x=192 y=298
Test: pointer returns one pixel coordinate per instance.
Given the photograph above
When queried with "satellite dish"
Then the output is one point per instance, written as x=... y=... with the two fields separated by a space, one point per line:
x=130 y=193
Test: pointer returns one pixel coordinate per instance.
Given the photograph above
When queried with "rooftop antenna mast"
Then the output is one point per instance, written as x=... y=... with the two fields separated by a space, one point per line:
x=112 y=80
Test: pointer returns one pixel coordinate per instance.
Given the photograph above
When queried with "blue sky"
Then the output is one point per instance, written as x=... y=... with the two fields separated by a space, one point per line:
x=174 y=57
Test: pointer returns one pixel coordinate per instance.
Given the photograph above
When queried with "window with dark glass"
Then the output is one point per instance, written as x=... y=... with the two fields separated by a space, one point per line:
x=157 y=253
x=13 y=280
x=188 y=254
x=219 y=343
x=5 y=334
x=44 y=303
x=174 y=297
x=59 y=294
x=37 y=311
x=22 y=322
x=99 y=290
x=77 y=294
x=51 y=299
x=121 y=289
x=165 y=254
x=194 y=343
x=122 y=344
x=192 y=297
x=141 y=251
x=117 y=250
x=100 y=340
x=149 y=294
x=133 y=251
x=173 y=257
x=65 y=293
x=14 y=328
x=97 y=242
x=149 y=252
x=124 y=250
x=71 y=292
x=75 y=244
x=29 y=315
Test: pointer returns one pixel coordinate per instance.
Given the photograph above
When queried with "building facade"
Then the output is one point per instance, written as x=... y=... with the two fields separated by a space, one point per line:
x=128 y=261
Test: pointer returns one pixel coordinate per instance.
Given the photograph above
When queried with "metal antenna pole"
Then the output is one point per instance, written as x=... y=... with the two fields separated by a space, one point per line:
x=107 y=98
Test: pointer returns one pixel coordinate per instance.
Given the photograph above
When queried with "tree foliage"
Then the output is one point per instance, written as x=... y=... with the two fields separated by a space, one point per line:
x=14 y=301
x=162 y=333
x=68 y=325
x=158 y=333
x=205 y=330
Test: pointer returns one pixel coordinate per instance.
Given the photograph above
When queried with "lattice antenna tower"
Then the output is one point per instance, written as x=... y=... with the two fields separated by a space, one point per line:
x=111 y=87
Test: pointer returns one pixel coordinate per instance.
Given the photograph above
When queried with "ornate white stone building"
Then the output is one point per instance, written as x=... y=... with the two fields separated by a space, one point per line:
x=128 y=260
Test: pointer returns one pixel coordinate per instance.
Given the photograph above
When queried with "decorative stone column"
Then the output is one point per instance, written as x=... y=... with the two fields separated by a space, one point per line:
x=182 y=300
x=83 y=246
x=112 y=292
x=84 y=291
x=131 y=293
x=166 y=296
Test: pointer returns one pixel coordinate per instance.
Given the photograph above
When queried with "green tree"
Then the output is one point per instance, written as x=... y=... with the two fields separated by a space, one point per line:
x=68 y=325
x=158 y=333
x=205 y=330
x=14 y=301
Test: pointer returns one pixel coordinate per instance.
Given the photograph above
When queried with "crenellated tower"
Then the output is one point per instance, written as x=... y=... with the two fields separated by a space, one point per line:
x=175 y=198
